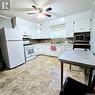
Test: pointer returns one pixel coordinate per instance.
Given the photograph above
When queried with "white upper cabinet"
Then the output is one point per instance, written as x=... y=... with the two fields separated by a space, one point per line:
x=26 y=27
x=33 y=31
x=79 y=22
x=82 y=25
x=36 y=32
x=69 y=29
x=45 y=31
x=42 y=31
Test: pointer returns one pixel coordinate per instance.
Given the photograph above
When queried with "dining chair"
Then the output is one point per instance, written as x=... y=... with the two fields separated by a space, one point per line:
x=74 y=87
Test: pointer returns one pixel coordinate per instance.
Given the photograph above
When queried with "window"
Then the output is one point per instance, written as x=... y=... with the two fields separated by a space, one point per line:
x=57 y=31
x=58 y=27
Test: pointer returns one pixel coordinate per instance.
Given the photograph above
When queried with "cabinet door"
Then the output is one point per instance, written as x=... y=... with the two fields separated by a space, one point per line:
x=69 y=29
x=33 y=31
x=40 y=49
x=82 y=25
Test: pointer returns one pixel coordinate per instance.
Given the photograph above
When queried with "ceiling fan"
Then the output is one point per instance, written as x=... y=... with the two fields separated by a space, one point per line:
x=40 y=11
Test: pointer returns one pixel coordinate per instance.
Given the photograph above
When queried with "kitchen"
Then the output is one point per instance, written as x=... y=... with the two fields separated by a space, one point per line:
x=41 y=40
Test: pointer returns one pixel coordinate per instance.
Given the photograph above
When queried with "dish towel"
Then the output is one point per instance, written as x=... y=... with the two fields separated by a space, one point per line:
x=53 y=48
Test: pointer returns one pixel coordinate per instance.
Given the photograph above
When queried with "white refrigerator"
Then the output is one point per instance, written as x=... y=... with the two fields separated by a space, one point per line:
x=12 y=47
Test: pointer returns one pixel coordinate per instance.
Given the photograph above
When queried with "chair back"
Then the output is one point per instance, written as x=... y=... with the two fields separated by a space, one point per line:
x=93 y=82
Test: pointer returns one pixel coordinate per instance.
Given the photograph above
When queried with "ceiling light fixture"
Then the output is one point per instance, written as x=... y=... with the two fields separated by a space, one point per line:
x=40 y=16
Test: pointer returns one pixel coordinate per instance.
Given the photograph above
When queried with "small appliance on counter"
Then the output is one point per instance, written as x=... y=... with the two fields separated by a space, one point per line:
x=26 y=36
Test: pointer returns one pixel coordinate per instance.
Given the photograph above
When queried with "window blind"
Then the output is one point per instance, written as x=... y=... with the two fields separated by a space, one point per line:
x=58 y=27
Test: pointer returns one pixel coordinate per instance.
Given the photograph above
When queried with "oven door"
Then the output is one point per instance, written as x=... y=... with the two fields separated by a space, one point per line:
x=29 y=52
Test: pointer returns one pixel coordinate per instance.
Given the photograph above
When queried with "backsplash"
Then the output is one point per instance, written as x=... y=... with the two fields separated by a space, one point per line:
x=52 y=41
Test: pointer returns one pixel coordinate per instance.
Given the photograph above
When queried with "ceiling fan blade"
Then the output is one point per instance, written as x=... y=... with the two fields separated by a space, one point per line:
x=30 y=13
x=48 y=9
x=47 y=15
x=34 y=7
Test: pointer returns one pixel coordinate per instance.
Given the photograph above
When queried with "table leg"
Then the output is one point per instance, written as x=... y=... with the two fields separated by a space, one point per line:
x=90 y=77
x=61 y=74
x=70 y=67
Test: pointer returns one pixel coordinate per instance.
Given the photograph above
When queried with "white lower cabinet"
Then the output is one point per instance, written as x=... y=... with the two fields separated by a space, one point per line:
x=37 y=49
x=45 y=49
x=42 y=49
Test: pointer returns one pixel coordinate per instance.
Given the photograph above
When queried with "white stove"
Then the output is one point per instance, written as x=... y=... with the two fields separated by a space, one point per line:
x=29 y=52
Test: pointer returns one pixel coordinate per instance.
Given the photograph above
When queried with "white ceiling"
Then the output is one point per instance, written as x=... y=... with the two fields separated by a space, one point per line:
x=60 y=8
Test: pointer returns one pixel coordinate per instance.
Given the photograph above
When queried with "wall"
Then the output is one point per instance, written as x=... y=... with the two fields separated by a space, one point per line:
x=43 y=30
x=46 y=27
x=78 y=16
x=24 y=26
x=93 y=30
x=67 y=19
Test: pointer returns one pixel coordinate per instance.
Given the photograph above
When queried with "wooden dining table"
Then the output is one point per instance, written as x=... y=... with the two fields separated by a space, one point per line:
x=79 y=58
